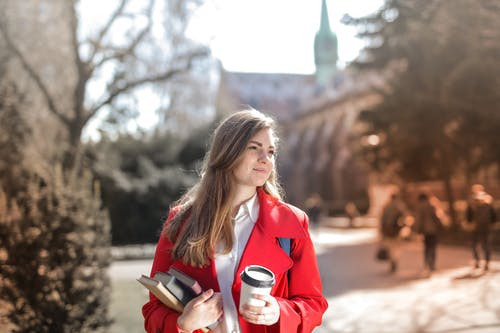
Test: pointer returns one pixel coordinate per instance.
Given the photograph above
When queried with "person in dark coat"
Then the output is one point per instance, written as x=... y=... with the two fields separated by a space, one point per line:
x=314 y=208
x=429 y=225
x=391 y=223
x=481 y=215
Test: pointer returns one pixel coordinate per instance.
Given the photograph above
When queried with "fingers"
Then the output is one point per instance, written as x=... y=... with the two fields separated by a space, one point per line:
x=263 y=318
x=203 y=297
x=258 y=318
x=267 y=301
x=262 y=315
x=265 y=298
x=215 y=301
x=203 y=310
x=257 y=310
x=217 y=297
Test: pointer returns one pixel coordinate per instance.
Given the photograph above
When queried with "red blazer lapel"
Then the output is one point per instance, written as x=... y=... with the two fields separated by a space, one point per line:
x=275 y=220
x=263 y=250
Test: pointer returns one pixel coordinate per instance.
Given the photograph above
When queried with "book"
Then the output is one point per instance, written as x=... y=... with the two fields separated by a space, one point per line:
x=158 y=289
x=182 y=292
x=171 y=292
x=186 y=280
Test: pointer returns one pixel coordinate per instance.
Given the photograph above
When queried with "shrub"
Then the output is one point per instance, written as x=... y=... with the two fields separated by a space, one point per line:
x=54 y=241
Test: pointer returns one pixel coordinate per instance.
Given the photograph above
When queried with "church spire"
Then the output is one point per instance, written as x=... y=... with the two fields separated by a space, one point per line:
x=325 y=50
x=324 y=26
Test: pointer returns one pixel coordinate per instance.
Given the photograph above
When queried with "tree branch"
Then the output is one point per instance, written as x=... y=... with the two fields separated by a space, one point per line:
x=33 y=74
x=98 y=42
x=121 y=53
x=74 y=33
x=81 y=66
x=127 y=86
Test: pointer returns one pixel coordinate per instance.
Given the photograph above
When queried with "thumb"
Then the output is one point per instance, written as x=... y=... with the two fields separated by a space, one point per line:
x=203 y=297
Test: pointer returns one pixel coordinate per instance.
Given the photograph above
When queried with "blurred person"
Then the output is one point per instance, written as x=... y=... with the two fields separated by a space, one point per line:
x=391 y=222
x=232 y=218
x=352 y=212
x=429 y=225
x=481 y=215
x=314 y=207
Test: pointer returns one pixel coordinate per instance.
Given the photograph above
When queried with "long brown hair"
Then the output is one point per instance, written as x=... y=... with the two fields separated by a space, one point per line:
x=205 y=212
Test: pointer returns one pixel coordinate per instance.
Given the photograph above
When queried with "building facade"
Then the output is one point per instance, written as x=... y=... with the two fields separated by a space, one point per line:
x=317 y=116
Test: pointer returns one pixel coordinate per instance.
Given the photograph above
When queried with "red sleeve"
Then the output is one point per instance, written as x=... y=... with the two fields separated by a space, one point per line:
x=158 y=318
x=303 y=310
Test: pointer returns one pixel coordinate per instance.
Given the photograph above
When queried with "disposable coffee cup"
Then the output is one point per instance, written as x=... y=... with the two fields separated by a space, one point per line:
x=255 y=279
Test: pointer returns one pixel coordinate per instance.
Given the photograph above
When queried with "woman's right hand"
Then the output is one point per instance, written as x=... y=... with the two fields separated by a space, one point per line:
x=201 y=311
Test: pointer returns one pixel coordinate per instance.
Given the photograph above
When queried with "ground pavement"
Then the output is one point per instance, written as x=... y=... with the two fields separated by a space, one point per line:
x=362 y=295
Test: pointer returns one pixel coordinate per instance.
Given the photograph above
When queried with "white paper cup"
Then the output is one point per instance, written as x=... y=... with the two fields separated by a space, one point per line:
x=255 y=279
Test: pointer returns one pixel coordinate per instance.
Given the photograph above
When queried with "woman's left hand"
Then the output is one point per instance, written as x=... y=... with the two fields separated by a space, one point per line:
x=268 y=314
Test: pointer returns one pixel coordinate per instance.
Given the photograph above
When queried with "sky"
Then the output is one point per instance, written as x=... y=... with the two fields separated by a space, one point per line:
x=265 y=36
x=275 y=35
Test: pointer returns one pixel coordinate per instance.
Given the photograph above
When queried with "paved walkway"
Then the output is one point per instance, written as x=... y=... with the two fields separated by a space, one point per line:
x=362 y=296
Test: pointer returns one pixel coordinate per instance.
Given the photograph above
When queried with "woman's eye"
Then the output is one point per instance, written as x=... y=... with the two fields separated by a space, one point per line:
x=271 y=152
x=252 y=147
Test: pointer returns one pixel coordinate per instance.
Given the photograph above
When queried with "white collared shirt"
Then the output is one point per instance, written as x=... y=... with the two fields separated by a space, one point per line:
x=226 y=264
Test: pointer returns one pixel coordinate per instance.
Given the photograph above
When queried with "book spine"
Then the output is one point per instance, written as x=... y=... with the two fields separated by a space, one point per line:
x=183 y=293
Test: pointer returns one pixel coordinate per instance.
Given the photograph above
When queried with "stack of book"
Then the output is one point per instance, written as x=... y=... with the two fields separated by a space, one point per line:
x=173 y=288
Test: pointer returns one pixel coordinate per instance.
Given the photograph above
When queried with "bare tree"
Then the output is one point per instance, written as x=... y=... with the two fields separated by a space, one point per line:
x=54 y=233
x=125 y=64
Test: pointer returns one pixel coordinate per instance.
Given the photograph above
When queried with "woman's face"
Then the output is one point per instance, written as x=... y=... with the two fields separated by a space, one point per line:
x=257 y=161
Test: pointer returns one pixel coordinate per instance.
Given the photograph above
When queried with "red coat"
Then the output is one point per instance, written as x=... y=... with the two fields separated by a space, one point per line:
x=299 y=295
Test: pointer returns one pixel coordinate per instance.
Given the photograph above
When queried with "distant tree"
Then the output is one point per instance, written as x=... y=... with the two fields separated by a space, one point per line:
x=54 y=233
x=124 y=64
x=440 y=102
x=142 y=176
x=194 y=147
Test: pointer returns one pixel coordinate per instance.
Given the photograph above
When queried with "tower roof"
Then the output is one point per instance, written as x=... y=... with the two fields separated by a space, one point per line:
x=324 y=26
x=325 y=49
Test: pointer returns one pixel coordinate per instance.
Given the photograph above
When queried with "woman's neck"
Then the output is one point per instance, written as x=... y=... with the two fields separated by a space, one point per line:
x=241 y=195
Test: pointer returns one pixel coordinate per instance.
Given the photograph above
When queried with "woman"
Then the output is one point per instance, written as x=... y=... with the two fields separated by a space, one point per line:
x=233 y=218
